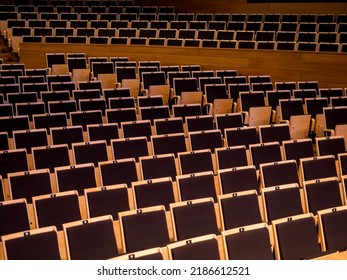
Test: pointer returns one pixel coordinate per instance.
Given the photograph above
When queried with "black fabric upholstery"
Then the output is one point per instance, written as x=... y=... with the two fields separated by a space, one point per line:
x=320 y=168
x=57 y=211
x=76 y=179
x=133 y=148
x=280 y=174
x=194 y=187
x=203 y=250
x=335 y=230
x=239 y=180
x=29 y=185
x=12 y=162
x=91 y=153
x=298 y=239
x=119 y=173
x=92 y=241
x=194 y=220
x=159 y=168
x=249 y=245
x=240 y=211
x=323 y=195
x=51 y=158
x=265 y=154
x=154 y=193
x=13 y=218
x=196 y=162
x=232 y=158
x=145 y=230
x=108 y=202
x=43 y=246
x=283 y=203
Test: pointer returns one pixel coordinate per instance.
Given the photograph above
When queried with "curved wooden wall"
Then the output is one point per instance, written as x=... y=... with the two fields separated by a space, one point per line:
x=329 y=69
x=238 y=6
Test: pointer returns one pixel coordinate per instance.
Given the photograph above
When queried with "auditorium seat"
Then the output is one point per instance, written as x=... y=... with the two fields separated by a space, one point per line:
x=90 y=152
x=151 y=222
x=282 y=201
x=196 y=185
x=42 y=157
x=133 y=147
x=56 y=209
x=322 y=194
x=92 y=239
x=158 y=166
x=318 y=167
x=36 y=244
x=14 y=216
x=248 y=243
x=28 y=184
x=332 y=227
x=107 y=200
x=194 y=218
x=75 y=177
x=238 y=179
x=202 y=248
x=153 y=192
x=195 y=161
x=296 y=238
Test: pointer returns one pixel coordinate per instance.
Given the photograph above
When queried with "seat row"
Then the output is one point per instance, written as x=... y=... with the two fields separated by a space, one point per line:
x=87 y=21
x=168 y=13
x=263 y=165
x=180 y=228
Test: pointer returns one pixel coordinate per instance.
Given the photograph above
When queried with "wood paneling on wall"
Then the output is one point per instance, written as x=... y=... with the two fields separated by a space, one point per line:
x=330 y=69
x=238 y=6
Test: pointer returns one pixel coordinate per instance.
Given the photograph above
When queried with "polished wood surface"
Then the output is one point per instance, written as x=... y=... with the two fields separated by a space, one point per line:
x=238 y=6
x=327 y=68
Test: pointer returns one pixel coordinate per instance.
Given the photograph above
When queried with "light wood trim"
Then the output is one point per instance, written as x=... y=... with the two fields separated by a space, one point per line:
x=326 y=68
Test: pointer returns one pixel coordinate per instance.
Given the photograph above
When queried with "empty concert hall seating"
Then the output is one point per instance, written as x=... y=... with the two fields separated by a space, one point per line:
x=56 y=209
x=296 y=238
x=66 y=135
x=92 y=239
x=75 y=177
x=282 y=201
x=246 y=201
x=151 y=222
x=169 y=143
x=121 y=171
x=265 y=152
x=107 y=200
x=333 y=145
x=197 y=158
x=14 y=216
x=248 y=243
x=14 y=160
x=42 y=156
x=203 y=248
x=241 y=136
x=158 y=166
x=28 y=184
x=193 y=218
x=141 y=128
x=196 y=185
x=279 y=173
x=133 y=147
x=153 y=192
x=238 y=179
x=322 y=194
x=333 y=228
x=36 y=244
x=195 y=161
x=228 y=157
x=318 y=167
